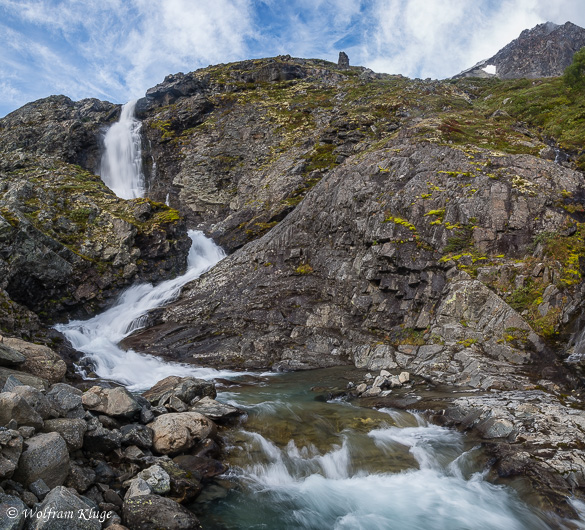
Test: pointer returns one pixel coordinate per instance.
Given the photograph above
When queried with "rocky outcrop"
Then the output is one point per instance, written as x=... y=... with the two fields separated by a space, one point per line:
x=543 y=51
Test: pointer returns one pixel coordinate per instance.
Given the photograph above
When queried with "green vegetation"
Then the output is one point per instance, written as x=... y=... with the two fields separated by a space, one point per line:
x=303 y=269
x=574 y=76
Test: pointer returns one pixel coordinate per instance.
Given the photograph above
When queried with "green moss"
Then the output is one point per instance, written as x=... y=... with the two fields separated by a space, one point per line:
x=303 y=269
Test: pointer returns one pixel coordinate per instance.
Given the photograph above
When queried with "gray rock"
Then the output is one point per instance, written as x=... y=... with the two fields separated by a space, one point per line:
x=10 y=357
x=136 y=434
x=80 y=478
x=11 y=384
x=40 y=360
x=36 y=399
x=14 y=407
x=16 y=508
x=157 y=478
x=343 y=61
x=184 y=388
x=102 y=440
x=63 y=500
x=218 y=412
x=116 y=402
x=137 y=487
x=23 y=377
x=66 y=400
x=11 y=444
x=26 y=432
x=495 y=428
x=153 y=511
x=45 y=457
x=404 y=377
x=39 y=488
x=71 y=430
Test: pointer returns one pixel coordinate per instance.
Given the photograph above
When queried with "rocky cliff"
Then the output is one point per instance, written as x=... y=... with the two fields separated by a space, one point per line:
x=543 y=51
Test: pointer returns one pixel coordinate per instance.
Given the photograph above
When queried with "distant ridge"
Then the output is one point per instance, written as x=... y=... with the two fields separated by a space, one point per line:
x=543 y=51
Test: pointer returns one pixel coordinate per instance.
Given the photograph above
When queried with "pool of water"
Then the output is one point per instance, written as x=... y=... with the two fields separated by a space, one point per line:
x=300 y=461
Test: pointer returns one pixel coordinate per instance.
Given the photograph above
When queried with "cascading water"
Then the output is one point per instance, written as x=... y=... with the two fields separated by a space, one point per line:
x=99 y=336
x=121 y=164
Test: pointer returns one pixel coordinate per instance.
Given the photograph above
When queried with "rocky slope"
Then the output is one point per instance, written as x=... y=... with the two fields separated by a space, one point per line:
x=543 y=51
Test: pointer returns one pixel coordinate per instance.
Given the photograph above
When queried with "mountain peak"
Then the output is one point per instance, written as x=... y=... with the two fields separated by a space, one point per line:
x=543 y=51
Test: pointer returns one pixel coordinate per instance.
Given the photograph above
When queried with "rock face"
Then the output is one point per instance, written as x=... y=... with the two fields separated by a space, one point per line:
x=543 y=51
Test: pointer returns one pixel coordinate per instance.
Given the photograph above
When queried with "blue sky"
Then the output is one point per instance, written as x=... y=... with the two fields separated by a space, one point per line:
x=116 y=49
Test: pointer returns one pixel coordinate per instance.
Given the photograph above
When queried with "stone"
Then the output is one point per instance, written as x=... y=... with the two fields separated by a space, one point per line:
x=153 y=511
x=136 y=434
x=23 y=377
x=11 y=445
x=84 y=516
x=66 y=400
x=157 y=478
x=385 y=373
x=26 y=432
x=177 y=432
x=39 y=488
x=80 y=478
x=14 y=407
x=36 y=399
x=101 y=440
x=185 y=485
x=137 y=487
x=10 y=357
x=361 y=388
x=343 y=61
x=71 y=430
x=12 y=505
x=214 y=410
x=116 y=402
x=45 y=457
x=495 y=428
x=11 y=384
x=404 y=377
x=184 y=388
x=41 y=361
x=201 y=466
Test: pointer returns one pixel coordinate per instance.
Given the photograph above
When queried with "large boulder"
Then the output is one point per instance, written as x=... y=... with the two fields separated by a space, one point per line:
x=10 y=451
x=146 y=512
x=36 y=399
x=41 y=360
x=22 y=377
x=98 y=439
x=62 y=500
x=111 y=401
x=14 y=407
x=177 y=432
x=184 y=388
x=137 y=434
x=45 y=457
x=70 y=429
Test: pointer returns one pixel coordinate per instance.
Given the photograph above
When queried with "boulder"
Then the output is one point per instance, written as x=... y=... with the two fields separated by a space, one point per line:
x=145 y=512
x=41 y=360
x=14 y=407
x=102 y=440
x=11 y=443
x=215 y=410
x=23 y=377
x=201 y=466
x=136 y=434
x=66 y=400
x=137 y=486
x=157 y=478
x=184 y=388
x=177 y=432
x=10 y=357
x=35 y=398
x=62 y=500
x=46 y=457
x=111 y=401
x=184 y=484
x=15 y=507
x=70 y=429
x=80 y=478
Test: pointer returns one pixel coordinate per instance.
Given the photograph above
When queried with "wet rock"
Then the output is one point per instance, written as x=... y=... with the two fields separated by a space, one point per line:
x=184 y=388
x=12 y=505
x=177 y=432
x=201 y=466
x=66 y=400
x=11 y=444
x=41 y=361
x=157 y=478
x=64 y=500
x=14 y=407
x=45 y=457
x=153 y=511
x=111 y=401
x=214 y=410
x=136 y=434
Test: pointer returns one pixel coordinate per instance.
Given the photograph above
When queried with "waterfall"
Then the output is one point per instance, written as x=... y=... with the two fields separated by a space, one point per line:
x=121 y=164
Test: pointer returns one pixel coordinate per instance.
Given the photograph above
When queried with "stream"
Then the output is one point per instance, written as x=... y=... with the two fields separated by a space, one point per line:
x=300 y=461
